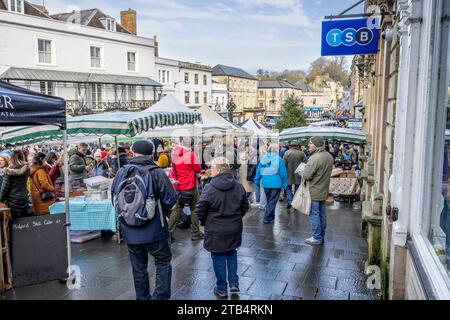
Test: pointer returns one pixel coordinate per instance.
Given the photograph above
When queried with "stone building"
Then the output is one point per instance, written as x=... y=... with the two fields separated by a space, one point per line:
x=271 y=96
x=242 y=91
x=404 y=90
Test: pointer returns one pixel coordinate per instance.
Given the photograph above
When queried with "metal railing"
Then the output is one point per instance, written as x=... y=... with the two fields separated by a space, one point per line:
x=75 y=107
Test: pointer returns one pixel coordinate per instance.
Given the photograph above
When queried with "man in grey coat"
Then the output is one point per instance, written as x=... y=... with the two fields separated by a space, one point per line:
x=292 y=159
x=318 y=173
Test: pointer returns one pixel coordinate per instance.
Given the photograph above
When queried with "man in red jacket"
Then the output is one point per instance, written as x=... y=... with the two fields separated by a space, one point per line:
x=185 y=166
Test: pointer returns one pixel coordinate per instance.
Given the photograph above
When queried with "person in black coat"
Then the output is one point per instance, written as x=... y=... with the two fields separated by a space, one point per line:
x=13 y=190
x=220 y=209
x=153 y=237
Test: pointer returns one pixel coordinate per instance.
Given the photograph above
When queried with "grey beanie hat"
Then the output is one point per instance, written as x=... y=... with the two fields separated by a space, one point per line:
x=317 y=141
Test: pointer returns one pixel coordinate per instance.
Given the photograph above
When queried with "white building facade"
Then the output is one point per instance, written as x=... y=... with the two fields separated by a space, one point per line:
x=189 y=82
x=219 y=97
x=93 y=68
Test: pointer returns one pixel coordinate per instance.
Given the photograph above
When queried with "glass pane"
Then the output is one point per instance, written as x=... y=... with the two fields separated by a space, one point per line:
x=439 y=233
x=41 y=45
x=19 y=6
x=48 y=57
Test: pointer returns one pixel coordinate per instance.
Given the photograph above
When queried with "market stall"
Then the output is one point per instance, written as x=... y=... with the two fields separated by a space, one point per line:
x=344 y=182
x=103 y=125
x=39 y=251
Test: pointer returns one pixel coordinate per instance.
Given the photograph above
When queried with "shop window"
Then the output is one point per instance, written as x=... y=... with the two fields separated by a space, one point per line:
x=439 y=222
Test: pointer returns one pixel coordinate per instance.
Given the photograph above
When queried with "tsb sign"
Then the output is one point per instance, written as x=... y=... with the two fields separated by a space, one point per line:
x=347 y=37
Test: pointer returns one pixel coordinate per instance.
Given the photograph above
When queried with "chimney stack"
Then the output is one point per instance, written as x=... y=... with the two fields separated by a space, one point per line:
x=155 y=41
x=128 y=20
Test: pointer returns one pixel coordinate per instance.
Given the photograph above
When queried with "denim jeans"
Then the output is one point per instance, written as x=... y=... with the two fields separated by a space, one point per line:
x=272 y=196
x=289 y=194
x=260 y=196
x=162 y=253
x=221 y=263
x=318 y=218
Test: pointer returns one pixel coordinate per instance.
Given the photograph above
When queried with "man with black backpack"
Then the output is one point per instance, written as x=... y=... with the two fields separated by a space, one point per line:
x=143 y=197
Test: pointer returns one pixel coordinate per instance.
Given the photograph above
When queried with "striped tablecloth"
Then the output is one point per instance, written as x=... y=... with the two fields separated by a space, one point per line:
x=92 y=215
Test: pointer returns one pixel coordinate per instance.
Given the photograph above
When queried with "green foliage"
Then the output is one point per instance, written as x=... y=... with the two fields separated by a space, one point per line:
x=291 y=76
x=335 y=67
x=292 y=115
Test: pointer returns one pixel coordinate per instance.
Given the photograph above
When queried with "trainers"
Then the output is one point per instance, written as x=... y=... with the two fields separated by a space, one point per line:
x=313 y=241
x=255 y=204
x=289 y=206
x=262 y=207
x=220 y=293
x=268 y=222
x=199 y=236
x=234 y=289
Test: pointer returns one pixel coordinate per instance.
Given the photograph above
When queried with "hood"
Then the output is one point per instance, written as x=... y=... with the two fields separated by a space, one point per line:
x=270 y=163
x=223 y=181
x=142 y=161
x=34 y=169
x=180 y=150
x=268 y=158
x=16 y=170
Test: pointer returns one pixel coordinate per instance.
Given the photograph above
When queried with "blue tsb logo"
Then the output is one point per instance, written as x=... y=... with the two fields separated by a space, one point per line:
x=349 y=37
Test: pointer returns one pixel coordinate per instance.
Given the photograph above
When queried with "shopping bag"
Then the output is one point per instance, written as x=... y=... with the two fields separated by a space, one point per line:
x=302 y=198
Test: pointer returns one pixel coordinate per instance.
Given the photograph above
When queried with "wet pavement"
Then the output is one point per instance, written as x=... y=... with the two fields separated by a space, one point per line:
x=274 y=263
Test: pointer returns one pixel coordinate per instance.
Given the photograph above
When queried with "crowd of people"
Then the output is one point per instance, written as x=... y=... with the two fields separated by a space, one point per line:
x=217 y=185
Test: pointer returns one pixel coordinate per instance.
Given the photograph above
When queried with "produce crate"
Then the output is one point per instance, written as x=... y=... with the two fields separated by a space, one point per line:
x=5 y=263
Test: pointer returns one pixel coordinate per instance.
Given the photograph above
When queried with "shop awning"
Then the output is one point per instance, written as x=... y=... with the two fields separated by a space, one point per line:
x=26 y=74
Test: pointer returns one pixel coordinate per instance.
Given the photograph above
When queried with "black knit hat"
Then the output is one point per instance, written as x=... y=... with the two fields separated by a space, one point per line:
x=143 y=147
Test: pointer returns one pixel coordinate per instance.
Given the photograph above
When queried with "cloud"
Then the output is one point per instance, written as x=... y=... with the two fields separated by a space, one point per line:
x=269 y=3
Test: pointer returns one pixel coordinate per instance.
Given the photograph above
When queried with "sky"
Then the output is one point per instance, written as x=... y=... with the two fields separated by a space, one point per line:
x=270 y=34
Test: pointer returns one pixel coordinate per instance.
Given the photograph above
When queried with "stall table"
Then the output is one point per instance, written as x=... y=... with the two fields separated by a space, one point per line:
x=88 y=215
x=345 y=187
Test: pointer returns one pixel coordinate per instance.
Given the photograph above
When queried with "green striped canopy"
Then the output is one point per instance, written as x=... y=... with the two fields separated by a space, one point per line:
x=111 y=124
x=335 y=133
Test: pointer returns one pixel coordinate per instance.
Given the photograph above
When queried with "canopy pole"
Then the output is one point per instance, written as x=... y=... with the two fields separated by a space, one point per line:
x=117 y=152
x=66 y=205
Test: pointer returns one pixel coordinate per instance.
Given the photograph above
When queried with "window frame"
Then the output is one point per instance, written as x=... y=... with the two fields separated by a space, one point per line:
x=187 y=97
x=136 y=65
x=196 y=79
x=101 y=67
x=98 y=93
x=52 y=51
x=205 y=79
x=196 y=97
x=22 y=6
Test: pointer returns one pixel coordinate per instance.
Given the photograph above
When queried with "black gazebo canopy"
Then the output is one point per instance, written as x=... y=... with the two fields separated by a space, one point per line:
x=22 y=107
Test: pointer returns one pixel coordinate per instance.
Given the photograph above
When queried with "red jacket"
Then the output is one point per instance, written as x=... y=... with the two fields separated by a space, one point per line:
x=186 y=166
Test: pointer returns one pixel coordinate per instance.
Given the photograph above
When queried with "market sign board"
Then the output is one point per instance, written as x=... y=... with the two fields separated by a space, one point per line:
x=350 y=37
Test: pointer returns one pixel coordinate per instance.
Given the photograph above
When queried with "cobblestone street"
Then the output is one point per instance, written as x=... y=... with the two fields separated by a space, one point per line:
x=274 y=263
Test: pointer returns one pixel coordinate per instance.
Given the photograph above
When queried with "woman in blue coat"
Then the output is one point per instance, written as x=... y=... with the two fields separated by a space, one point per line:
x=272 y=173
